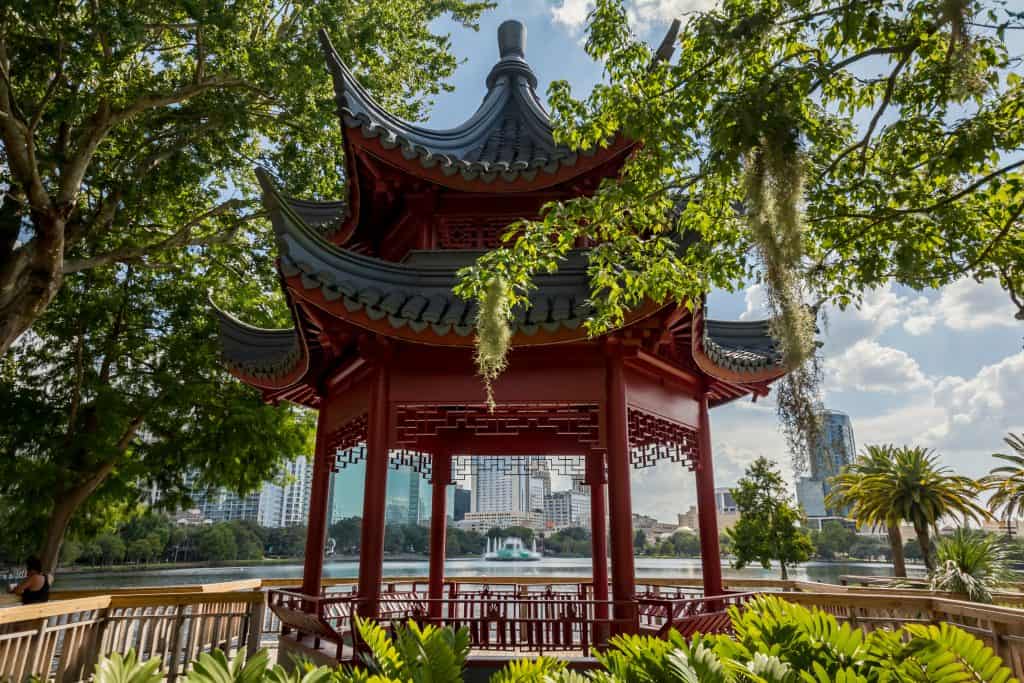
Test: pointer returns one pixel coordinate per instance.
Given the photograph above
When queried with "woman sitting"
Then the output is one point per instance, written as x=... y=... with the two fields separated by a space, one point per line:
x=35 y=588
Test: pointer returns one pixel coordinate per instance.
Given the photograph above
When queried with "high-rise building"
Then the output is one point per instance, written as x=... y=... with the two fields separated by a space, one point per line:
x=832 y=451
x=503 y=492
x=461 y=503
x=564 y=509
x=724 y=500
x=285 y=502
x=282 y=501
x=407 y=495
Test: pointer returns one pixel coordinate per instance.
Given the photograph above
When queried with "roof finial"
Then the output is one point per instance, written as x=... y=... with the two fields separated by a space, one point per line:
x=512 y=39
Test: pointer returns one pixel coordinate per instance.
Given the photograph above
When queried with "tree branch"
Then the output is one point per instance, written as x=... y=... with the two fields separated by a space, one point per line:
x=181 y=238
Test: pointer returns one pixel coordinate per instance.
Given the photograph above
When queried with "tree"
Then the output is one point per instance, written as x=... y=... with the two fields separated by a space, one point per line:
x=216 y=543
x=128 y=131
x=870 y=504
x=346 y=534
x=767 y=529
x=1007 y=481
x=910 y=486
x=109 y=549
x=771 y=153
x=833 y=541
x=639 y=541
x=119 y=389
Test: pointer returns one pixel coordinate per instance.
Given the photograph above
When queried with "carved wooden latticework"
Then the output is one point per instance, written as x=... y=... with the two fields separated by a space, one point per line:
x=652 y=438
x=519 y=465
x=471 y=232
x=580 y=422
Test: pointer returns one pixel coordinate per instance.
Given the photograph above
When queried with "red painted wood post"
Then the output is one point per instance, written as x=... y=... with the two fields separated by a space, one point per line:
x=371 y=549
x=440 y=478
x=619 y=495
x=707 y=510
x=316 y=528
x=598 y=537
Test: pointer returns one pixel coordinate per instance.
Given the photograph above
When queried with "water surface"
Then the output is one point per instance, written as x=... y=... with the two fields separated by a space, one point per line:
x=646 y=568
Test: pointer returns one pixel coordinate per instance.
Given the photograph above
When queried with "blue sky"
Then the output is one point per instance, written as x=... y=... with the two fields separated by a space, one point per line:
x=942 y=369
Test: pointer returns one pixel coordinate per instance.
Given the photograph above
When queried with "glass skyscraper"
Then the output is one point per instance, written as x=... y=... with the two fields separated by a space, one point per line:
x=407 y=499
x=835 y=449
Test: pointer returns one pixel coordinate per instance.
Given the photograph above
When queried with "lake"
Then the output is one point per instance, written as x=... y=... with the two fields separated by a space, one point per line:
x=646 y=568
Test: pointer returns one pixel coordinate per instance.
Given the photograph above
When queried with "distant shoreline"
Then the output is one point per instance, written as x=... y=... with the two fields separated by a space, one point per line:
x=396 y=557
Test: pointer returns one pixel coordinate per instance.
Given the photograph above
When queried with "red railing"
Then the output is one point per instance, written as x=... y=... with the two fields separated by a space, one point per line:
x=516 y=618
x=688 y=615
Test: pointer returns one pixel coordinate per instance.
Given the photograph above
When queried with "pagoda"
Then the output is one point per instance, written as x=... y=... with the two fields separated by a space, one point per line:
x=382 y=348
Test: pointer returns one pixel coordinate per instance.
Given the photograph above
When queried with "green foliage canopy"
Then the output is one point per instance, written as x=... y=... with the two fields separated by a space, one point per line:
x=819 y=146
x=129 y=130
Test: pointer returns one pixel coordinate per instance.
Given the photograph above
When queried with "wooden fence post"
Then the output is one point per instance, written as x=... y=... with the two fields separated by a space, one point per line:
x=255 y=636
x=92 y=657
x=36 y=651
x=175 y=649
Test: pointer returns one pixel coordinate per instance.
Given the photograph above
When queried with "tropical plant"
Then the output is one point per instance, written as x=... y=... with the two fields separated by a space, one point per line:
x=1007 y=481
x=127 y=669
x=912 y=487
x=416 y=654
x=768 y=528
x=775 y=641
x=971 y=563
x=869 y=508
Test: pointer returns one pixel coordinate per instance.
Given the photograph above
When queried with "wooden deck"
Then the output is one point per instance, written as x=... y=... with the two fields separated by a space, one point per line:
x=61 y=640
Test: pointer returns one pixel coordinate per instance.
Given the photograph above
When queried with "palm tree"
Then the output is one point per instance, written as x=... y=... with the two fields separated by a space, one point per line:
x=1007 y=482
x=972 y=563
x=869 y=508
x=914 y=487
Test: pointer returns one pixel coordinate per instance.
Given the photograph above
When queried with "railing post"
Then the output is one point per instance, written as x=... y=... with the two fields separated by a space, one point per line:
x=92 y=657
x=257 y=609
x=175 y=649
x=36 y=652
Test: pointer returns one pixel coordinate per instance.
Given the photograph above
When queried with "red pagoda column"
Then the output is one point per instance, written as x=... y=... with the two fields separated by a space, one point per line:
x=619 y=498
x=316 y=529
x=707 y=509
x=440 y=478
x=371 y=549
x=598 y=532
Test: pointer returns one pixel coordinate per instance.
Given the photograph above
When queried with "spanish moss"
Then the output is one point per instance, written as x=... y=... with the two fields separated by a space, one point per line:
x=493 y=334
x=774 y=186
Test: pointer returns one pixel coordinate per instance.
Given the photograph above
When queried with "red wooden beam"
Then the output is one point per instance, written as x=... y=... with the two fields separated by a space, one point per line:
x=707 y=510
x=440 y=478
x=619 y=493
x=371 y=558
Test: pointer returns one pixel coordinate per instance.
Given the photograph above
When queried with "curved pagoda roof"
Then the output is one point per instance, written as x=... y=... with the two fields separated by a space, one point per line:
x=507 y=145
x=509 y=137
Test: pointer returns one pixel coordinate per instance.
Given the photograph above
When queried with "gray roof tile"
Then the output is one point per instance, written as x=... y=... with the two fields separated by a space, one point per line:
x=509 y=137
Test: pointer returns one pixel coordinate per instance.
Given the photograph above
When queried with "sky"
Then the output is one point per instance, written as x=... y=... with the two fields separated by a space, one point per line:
x=941 y=369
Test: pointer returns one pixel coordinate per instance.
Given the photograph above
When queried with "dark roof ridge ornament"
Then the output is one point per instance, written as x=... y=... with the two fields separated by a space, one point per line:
x=512 y=50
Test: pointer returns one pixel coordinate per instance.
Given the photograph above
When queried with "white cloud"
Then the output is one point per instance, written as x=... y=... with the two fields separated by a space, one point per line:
x=962 y=306
x=651 y=14
x=572 y=14
x=978 y=412
x=644 y=15
x=869 y=366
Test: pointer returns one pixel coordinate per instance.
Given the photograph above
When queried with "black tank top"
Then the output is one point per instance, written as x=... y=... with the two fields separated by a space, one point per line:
x=31 y=597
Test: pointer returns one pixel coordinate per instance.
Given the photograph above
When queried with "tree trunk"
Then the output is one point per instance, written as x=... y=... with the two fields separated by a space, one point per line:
x=30 y=278
x=784 y=571
x=899 y=563
x=925 y=541
x=66 y=503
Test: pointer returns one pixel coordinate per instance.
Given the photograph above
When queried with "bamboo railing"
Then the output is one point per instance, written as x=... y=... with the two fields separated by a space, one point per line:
x=63 y=639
